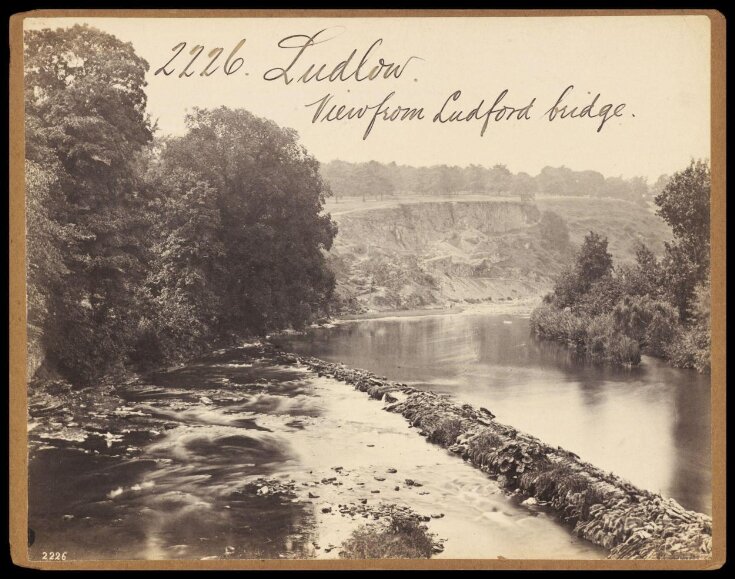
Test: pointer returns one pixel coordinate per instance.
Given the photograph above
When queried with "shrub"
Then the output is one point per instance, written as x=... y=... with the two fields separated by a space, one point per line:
x=557 y=480
x=552 y=323
x=599 y=334
x=623 y=350
x=601 y=297
x=691 y=349
x=446 y=432
x=651 y=323
x=403 y=538
x=662 y=330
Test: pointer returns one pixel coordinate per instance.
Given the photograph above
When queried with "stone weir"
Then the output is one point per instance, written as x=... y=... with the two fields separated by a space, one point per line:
x=629 y=522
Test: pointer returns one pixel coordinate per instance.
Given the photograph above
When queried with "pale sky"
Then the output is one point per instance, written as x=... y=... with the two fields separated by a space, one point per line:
x=659 y=66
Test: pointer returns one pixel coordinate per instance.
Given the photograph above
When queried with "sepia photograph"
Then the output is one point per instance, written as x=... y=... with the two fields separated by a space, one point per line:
x=440 y=290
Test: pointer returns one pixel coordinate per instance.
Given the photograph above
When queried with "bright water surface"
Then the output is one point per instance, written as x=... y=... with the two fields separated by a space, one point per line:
x=650 y=424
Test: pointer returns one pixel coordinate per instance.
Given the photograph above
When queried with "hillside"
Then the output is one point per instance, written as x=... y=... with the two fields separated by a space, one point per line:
x=402 y=254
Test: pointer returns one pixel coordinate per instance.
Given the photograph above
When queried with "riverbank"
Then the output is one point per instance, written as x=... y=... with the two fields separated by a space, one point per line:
x=519 y=307
x=629 y=522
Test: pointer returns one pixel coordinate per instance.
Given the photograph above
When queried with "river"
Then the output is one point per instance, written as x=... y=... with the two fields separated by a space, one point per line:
x=649 y=424
x=234 y=456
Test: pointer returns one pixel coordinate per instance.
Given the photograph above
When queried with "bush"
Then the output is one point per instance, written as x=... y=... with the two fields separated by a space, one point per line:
x=599 y=334
x=601 y=297
x=651 y=323
x=552 y=323
x=446 y=432
x=558 y=479
x=691 y=349
x=662 y=330
x=403 y=538
x=623 y=350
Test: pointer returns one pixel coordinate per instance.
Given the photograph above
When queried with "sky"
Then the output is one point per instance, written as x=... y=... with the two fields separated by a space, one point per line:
x=658 y=67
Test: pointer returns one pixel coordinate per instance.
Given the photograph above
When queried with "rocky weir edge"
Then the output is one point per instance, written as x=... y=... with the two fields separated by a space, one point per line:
x=629 y=522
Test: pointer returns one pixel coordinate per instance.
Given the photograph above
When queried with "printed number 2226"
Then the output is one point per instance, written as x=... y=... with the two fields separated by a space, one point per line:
x=53 y=556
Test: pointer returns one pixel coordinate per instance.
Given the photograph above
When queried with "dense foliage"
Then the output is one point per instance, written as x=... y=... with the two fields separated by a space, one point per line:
x=377 y=180
x=143 y=251
x=659 y=307
x=403 y=537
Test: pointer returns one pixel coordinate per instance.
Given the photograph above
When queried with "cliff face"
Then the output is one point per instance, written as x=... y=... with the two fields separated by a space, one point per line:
x=415 y=227
x=415 y=255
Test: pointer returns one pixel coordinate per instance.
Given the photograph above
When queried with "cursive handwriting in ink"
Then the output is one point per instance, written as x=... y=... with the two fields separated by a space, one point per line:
x=343 y=71
x=496 y=112
x=564 y=111
x=380 y=111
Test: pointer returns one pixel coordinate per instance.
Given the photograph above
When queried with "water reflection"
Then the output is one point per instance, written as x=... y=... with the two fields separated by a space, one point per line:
x=649 y=424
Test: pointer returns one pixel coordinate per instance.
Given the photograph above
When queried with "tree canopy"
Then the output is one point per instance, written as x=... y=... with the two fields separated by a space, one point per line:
x=142 y=250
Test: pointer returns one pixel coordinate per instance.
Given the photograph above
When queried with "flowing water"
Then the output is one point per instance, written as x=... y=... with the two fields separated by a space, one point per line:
x=235 y=457
x=650 y=424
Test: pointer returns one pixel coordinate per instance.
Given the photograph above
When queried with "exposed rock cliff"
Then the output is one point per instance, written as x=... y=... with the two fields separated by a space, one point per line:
x=415 y=255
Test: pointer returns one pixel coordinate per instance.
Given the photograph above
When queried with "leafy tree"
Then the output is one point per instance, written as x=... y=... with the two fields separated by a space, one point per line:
x=556 y=181
x=601 y=296
x=476 y=179
x=269 y=195
x=651 y=323
x=499 y=179
x=444 y=180
x=46 y=271
x=589 y=182
x=684 y=204
x=523 y=186
x=593 y=260
x=660 y=184
x=85 y=119
x=645 y=278
x=186 y=262
x=554 y=230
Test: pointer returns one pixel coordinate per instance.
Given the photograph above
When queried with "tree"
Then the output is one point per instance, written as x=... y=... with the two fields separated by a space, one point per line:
x=270 y=195
x=499 y=179
x=46 y=271
x=590 y=182
x=523 y=186
x=86 y=122
x=638 y=189
x=557 y=181
x=645 y=277
x=684 y=203
x=659 y=185
x=593 y=260
x=183 y=309
x=476 y=179
x=554 y=230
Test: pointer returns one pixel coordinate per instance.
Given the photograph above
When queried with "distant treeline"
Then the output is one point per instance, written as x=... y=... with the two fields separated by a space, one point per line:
x=140 y=250
x=376 y=180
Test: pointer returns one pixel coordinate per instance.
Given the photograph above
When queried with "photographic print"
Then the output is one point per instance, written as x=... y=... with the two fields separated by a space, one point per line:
x=367 y=289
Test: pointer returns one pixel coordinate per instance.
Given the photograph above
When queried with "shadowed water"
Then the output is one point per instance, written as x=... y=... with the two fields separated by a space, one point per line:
x=650 y=424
